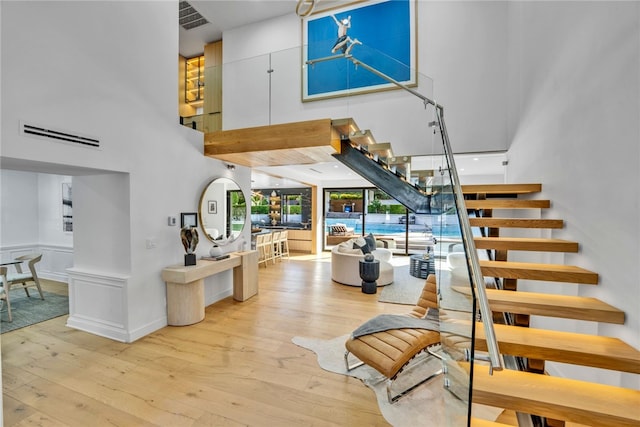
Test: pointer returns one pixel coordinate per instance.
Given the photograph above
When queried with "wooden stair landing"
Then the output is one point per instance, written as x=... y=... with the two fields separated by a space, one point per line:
x=295 y=143
x=558 y=398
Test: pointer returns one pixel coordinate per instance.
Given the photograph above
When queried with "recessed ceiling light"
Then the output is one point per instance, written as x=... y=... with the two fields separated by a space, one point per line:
x=476 y=159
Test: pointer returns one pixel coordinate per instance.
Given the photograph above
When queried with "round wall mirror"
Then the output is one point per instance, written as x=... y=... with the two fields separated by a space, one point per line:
x=222 y=211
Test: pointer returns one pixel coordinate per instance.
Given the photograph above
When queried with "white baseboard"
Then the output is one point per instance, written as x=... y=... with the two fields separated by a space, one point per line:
x=97 y=328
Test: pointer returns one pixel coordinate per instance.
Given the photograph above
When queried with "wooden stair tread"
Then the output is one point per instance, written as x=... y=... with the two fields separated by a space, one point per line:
x=566 y=347
x=525 y=244
x=536 y=271
x=507 y=204
x=516 y=222
x=501 y=188
x=551 y=305
x=478 y=422
x=559 y=398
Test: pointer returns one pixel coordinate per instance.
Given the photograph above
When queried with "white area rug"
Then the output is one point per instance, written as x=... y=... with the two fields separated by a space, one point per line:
x=405 y=288
x=424 y=406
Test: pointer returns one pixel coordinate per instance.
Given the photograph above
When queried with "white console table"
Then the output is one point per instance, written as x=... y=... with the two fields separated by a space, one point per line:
x=185 y=285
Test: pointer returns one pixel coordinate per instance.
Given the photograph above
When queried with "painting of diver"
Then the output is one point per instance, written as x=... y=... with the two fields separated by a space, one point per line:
x=380 y=34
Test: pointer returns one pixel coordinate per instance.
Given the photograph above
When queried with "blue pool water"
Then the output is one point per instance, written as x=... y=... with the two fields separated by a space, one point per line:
x=451 y=230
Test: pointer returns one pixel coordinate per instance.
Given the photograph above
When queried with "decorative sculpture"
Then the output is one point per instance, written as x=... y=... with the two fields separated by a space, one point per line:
x=190 y=239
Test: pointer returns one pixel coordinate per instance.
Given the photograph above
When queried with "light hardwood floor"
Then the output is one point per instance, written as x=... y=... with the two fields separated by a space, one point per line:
x=238 y=367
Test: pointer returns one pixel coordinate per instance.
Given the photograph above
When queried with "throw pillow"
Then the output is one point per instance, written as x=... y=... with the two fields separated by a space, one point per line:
x=347 y=248
x=371 y=242
x=361 y=243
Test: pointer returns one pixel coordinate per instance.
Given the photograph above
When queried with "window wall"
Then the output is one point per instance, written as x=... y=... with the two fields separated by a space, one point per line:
x=354 y=212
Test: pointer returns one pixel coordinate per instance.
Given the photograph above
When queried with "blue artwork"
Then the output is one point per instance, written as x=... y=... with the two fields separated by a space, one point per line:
x=380 y=34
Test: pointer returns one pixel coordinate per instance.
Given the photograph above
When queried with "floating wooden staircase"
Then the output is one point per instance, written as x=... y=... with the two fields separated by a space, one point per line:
x=557 y=399
x=535 y=392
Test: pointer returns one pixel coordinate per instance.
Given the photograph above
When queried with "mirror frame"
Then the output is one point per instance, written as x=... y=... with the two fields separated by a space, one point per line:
x=226 y=239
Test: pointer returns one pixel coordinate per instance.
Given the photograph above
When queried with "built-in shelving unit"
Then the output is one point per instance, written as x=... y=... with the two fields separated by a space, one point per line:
x=194 y=80
x=274 y=208
x=200 y=104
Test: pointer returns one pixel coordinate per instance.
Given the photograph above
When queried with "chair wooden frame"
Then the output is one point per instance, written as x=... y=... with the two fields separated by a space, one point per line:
x=26 y=279
x=4 y=291
x=389 y=352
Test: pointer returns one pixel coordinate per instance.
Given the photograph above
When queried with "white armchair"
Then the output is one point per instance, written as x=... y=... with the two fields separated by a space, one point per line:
x=345 y=264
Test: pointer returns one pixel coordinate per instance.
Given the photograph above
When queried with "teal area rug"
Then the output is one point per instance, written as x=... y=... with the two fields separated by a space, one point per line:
x=28 y=311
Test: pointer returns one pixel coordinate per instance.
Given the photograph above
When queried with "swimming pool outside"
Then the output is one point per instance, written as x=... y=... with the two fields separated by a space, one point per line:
x=446 y=230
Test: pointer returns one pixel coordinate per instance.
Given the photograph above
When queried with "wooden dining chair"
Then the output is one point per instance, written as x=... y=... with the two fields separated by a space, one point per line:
x=4 y=291
x=26 y=279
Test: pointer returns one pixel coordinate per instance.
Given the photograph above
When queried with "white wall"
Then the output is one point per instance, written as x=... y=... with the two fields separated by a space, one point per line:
x=574 y=106
x=19 y=215
x=64 y=72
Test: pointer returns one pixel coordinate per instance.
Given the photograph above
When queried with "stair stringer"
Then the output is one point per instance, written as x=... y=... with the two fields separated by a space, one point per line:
x=404 y=192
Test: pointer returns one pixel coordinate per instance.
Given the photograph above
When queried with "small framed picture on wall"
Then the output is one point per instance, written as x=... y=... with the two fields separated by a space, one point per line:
x=67 y=208
x=189 y=219
x=212 y=207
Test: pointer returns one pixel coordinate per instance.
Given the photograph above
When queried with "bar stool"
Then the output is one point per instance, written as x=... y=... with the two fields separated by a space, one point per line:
x=284 y=244
x=275 y=246
x=262 y=248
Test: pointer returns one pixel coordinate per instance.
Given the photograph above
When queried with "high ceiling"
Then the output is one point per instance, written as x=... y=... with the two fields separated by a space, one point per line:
x=224 y=15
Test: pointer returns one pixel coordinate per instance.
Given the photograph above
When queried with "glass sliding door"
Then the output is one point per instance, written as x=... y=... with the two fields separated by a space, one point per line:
x=343 y=215
x=385 y=219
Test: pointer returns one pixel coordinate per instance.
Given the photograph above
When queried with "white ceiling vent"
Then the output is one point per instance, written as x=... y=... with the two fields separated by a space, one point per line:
x=59 y=135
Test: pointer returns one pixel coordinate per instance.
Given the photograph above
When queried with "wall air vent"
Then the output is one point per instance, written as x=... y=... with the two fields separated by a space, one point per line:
x=189 y=17
x=58 y=135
